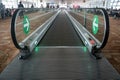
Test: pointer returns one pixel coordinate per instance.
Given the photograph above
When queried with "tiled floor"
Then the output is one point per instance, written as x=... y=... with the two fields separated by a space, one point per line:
x=112 y=49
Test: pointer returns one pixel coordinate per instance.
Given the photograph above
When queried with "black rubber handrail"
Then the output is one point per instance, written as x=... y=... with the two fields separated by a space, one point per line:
x=13 y=30
x=106 y=34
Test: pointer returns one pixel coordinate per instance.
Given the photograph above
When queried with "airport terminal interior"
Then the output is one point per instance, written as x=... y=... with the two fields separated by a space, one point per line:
x=60 y=40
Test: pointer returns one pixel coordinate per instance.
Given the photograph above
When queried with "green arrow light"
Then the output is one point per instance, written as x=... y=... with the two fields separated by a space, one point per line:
x=26 y=25
x=95 y=26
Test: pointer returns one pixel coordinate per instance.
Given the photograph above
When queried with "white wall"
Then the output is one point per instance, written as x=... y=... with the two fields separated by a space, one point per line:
x=0 y=1
x=10 y=3
x=99 y=3
x=14 y=3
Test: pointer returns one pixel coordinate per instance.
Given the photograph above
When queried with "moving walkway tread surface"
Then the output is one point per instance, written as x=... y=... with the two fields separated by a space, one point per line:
x=61 y=33
x=60 y=64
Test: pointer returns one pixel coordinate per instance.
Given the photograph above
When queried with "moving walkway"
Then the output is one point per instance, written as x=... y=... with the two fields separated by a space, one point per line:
x=62 y=48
